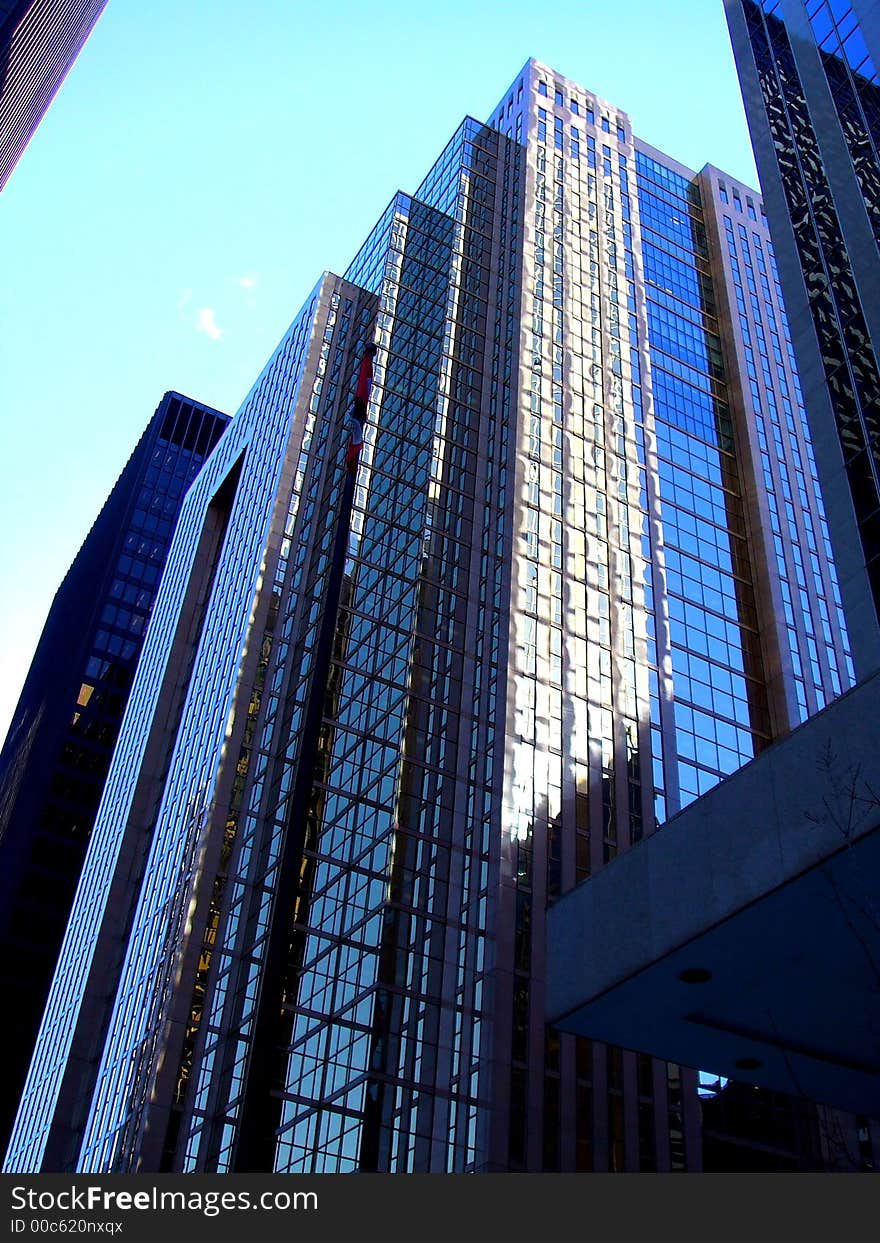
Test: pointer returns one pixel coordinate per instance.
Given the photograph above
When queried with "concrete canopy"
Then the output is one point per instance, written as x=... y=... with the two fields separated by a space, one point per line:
x=743 y=938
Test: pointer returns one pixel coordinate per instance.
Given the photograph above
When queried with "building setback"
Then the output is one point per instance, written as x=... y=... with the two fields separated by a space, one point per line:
x=588 y=577
x=58 y=748
x=39 y=41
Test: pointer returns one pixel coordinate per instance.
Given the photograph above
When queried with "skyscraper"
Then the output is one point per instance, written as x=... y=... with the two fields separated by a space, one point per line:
x=58 y=749
x=39 y=41
x=808 y=70
x=587 y=577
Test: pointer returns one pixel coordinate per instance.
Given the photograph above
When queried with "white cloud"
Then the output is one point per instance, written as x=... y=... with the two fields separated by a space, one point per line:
x=248 y=284
x=205 y=322
x=185 y=297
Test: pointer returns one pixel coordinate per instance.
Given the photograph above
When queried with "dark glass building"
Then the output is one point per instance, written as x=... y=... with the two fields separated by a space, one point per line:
x=58 y=749
x=587 y=577
x=39 y=41
x=809 y=75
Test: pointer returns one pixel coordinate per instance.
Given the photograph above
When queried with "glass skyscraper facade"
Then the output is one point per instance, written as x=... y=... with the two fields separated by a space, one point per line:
x=578 y=591
x=810 y=85
x=58 y=749
x=39 y=41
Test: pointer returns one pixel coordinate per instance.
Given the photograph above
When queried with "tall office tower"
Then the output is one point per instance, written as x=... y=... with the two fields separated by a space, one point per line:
x=808 y=72
x=57 y=752
x=579 y=589
x=39 y=41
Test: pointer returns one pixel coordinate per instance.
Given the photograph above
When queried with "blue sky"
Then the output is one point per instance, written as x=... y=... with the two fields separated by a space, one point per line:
x=204 y=162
